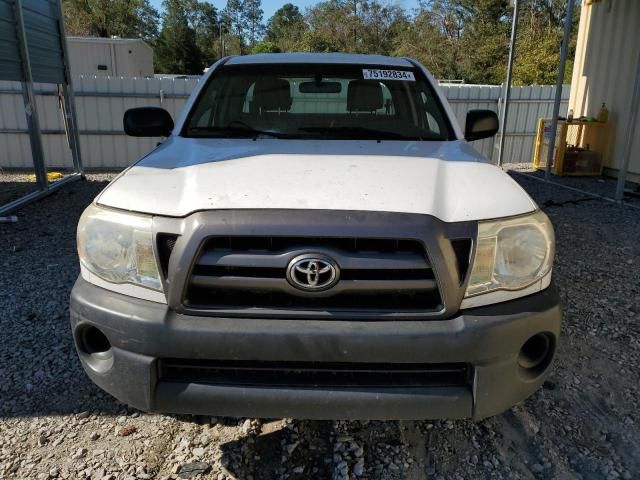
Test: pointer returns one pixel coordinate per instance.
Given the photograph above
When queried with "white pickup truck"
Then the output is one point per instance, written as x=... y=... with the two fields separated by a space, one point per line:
x=316 y=238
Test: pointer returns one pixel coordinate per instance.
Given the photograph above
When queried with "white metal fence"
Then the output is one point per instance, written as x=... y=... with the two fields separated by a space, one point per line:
x=526 y=106
x=101 y=103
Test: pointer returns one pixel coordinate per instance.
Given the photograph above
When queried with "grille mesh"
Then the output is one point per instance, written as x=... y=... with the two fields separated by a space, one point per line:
x=314 y=374
x=379 y=276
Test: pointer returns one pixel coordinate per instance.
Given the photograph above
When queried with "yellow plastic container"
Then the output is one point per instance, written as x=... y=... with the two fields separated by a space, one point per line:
x=603 y=114
x=581 y=147
x=51 y=176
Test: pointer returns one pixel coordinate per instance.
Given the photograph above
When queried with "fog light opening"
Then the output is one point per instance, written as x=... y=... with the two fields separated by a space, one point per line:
x=94 y=348
x=536 y=354
x=93 y=341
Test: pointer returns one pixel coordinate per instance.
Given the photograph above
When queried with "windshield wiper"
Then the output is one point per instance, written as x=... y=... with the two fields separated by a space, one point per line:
x=370 y=133
x=243 y=130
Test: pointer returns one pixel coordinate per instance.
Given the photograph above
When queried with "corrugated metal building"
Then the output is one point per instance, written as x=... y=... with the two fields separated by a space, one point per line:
x=110 y=57
x=40 y=19
x=605 y=69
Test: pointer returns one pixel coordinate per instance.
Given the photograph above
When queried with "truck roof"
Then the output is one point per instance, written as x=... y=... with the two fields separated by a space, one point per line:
x=343 y=58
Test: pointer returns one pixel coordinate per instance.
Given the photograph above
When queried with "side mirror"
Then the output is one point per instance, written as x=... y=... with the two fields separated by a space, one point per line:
x=147 y=122
x=480 y=124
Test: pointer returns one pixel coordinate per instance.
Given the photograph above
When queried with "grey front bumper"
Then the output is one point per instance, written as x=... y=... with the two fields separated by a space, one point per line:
x=141 y=332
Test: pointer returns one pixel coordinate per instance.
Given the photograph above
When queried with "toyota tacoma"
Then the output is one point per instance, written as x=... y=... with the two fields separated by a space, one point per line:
x=316 y=238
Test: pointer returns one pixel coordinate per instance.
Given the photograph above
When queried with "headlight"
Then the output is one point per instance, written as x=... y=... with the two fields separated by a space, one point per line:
x=511 y=253
x=118 y=247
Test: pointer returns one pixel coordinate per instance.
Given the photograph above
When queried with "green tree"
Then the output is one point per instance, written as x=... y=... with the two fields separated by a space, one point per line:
x=455 y=39
x=362 y=26
x=379 y=27
x=176 y=50
x=331 y=27
x=484 y=40
x=432 y=36
x=286 y=28
x=107 y=18
x=234 y=17
x=265 y=47
x=253 y=13
x=540 y=34
x=244 y=21
x=203 y=19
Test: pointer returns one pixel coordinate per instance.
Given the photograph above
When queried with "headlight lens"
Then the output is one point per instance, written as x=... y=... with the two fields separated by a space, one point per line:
x=118 y=247
x=512 y=253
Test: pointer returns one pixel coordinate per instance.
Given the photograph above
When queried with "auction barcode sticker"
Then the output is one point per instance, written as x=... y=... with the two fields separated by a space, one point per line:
x=369 y=74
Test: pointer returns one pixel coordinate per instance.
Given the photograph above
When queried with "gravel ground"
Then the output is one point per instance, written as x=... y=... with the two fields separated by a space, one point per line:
x=602 y=186
x=15 y=185
x=584 y=423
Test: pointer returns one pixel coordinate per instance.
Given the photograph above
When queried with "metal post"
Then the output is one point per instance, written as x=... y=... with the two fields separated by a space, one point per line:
x=70 y=113
x=29 y=100
x=631 y=127
x=507 y=92
x=559 y=82
x=69 y=100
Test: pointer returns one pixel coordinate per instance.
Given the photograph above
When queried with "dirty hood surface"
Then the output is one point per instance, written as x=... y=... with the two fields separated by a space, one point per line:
x=448 y=180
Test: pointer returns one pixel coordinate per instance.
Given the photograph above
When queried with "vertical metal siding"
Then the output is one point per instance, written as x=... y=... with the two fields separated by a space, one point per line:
x=43 y=40
x=604 y=69
x=527 y=105
x=10 y=61
x=472 y=97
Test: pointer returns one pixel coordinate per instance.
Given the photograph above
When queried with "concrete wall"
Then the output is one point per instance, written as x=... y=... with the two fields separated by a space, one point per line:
x=604 y=71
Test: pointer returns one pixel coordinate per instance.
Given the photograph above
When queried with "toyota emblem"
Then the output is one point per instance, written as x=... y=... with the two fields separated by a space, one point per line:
x=313 y=272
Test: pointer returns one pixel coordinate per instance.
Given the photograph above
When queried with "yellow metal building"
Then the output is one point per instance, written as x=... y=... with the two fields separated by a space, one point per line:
x=606 y=62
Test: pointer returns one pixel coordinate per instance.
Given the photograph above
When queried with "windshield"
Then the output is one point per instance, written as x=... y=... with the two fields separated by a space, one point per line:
x=318 y=101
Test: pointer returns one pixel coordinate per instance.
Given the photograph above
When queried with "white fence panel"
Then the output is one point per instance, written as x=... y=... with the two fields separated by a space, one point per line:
x=473 y=97
x=101 y=103
x=100 y=106
x=526 y=106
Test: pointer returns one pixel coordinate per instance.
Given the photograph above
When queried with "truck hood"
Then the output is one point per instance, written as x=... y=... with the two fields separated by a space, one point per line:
x=448 y=180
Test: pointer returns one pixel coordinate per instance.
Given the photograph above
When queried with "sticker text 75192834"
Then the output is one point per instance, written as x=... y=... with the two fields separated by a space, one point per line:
x=369 y=74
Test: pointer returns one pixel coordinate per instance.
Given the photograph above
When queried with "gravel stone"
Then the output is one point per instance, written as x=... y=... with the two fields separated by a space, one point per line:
x=198 y=452
x=126 y=431
x=193 y=469
x=80 y=453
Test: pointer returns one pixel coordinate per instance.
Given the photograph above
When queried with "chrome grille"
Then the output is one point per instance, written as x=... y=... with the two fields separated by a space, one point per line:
x=377 y=276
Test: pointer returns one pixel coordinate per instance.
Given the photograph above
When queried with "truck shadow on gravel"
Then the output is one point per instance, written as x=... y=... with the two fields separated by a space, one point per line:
x=302 y=449
x=11 y=191
x=319 y=449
